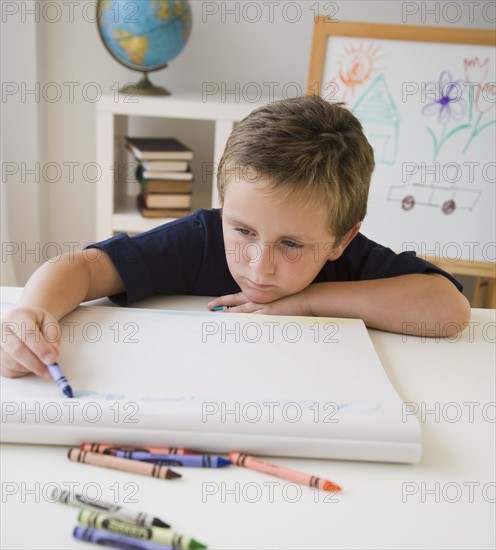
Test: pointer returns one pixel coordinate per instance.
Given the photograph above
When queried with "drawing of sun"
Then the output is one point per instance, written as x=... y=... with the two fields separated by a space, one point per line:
x=357 y=65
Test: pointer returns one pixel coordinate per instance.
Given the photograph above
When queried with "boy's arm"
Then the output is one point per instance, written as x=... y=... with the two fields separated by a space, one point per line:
x=414 y=304
x=54 y=290
x=61 y=284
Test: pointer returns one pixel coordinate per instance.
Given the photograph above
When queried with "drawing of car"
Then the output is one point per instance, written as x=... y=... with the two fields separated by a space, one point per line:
x=430 y=188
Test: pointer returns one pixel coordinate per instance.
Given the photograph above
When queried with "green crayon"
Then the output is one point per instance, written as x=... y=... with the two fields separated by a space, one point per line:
x=155 y=534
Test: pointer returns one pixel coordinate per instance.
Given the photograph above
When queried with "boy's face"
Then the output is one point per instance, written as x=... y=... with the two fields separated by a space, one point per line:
x=274 y=248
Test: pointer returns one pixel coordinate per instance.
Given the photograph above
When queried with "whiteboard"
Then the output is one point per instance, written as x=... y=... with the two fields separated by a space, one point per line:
x=433 y=134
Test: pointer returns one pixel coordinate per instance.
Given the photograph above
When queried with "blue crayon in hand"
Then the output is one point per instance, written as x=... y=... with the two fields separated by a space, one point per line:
x=220 y=308
x=194 y=461
x=115 y=540
x=61 y=380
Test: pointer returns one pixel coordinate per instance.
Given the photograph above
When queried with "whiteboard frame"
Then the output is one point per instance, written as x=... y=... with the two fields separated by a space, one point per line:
x=325 y=28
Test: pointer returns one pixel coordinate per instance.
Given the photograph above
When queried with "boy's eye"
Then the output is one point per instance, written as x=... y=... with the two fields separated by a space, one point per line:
x=243 y=231
x=291 y=244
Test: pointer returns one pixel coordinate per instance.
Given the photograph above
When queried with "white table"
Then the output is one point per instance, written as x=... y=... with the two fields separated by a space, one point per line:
x=445 y=501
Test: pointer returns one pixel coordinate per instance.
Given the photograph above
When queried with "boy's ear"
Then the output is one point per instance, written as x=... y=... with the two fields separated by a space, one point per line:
x=345 y=241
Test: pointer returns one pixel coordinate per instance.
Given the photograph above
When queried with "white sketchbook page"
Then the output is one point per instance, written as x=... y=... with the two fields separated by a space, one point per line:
x=185 y=371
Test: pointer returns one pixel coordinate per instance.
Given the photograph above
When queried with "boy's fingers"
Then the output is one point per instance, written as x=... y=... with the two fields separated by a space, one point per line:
x=229 y=300
x=52 y=333
x=11 y=373
x=10 y=368
x=34 y=340
x=25 y=359
x=22 y=363
x=25 y=349
x=235 y=303
x=249 y=307
x=25 y=346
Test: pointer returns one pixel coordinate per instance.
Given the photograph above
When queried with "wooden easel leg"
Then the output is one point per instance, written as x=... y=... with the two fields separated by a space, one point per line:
x=480 y=282
x=490 y=300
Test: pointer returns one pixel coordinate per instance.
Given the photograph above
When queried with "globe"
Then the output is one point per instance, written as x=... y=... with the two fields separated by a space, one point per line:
x=144 y=35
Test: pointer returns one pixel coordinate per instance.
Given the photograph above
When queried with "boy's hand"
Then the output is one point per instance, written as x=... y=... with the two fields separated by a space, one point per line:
x=295 y=304
x=29 y=342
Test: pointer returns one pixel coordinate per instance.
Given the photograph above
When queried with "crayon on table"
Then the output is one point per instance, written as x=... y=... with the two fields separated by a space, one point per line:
x=154 y=534
x=280 y=471
x=123 y=464
x=194 y=461
x=80 y=501
x=220 y=308
x=115 y=540
x=111 y=448
x=59 y=377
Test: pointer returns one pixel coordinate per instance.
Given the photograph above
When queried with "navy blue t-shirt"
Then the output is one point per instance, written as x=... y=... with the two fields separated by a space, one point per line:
x=187 y=257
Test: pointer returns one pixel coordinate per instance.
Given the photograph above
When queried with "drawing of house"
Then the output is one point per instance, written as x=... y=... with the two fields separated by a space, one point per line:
x=380 y=117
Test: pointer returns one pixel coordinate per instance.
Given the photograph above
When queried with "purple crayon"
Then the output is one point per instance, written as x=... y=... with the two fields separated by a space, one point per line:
x=194 y=461
x=115 y=540
x=61 y=380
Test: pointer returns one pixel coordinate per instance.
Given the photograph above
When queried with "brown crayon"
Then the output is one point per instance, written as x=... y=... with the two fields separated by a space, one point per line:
x=111 y=448
x=123 y=464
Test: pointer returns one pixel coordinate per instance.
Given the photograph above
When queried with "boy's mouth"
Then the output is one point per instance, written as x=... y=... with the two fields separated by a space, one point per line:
x=257 y=286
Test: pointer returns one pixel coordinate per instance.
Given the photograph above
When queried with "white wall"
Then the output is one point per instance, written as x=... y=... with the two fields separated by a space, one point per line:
x=21 y=213
x=228 y=45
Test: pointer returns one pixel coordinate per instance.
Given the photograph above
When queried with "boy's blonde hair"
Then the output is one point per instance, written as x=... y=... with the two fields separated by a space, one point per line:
x=307 y=150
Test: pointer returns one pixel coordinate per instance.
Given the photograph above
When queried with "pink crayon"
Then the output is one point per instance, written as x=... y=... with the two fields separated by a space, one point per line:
x=280 y=471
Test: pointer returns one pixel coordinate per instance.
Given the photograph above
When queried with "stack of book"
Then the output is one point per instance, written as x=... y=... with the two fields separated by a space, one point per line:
x=164 y=176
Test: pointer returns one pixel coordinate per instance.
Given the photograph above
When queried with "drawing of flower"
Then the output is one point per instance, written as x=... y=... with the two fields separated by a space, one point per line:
x=448 y=104
x=485 y=95
x=476 y=75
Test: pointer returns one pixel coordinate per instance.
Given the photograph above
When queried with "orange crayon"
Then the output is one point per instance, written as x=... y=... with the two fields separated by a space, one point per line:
x=111 y=448
x=280 y=471
x=123 y=464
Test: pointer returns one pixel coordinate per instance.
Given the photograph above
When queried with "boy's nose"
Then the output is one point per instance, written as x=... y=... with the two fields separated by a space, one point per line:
x=262 y=259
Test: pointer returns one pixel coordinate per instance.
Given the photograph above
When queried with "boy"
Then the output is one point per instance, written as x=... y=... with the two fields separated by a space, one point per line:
x=293 y=183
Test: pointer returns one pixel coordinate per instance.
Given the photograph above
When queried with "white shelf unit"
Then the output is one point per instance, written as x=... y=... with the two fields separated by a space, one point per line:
x=115 y=210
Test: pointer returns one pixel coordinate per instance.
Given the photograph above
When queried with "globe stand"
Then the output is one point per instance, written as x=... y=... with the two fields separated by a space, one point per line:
x=144 y=87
